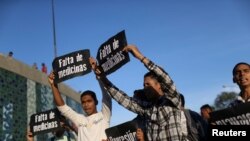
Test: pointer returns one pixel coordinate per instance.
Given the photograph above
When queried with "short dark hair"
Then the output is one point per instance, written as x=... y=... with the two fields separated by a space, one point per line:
x=206 y=106
x=10 y=53
x=153 y=75
x=240 y=63
x=92 y=94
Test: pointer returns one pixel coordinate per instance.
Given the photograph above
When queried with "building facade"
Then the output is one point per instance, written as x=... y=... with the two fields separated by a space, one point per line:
x=25 y=91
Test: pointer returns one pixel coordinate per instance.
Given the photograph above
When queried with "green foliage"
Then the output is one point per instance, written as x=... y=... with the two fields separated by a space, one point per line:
x=224 y=99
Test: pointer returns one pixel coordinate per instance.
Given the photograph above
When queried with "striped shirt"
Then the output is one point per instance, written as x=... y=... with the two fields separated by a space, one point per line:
x=238 y=101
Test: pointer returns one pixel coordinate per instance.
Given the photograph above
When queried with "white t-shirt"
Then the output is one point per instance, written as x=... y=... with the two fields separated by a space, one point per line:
x=90 y=128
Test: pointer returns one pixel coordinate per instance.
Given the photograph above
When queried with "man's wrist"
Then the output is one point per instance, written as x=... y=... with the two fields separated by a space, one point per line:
x=143 y=58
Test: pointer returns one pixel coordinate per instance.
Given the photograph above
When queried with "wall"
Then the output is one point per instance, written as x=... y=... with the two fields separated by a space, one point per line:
x=23 y=92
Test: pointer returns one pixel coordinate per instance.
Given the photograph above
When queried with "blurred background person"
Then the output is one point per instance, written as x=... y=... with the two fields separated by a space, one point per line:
x=205 y=110
x=10 y=54
x=241 y=76
x=44 y=68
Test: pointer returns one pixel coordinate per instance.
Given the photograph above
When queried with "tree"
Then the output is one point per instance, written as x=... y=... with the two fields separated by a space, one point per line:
x=223 y=100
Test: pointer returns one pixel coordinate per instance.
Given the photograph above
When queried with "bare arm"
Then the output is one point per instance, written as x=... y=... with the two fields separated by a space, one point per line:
x=106 y=99
x=57 y=96
x=106 y=102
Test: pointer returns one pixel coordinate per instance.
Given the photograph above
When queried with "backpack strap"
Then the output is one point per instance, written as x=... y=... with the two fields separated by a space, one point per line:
x=193 y=134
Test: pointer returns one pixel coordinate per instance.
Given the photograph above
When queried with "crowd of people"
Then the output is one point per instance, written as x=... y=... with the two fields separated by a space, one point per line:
x=159 y=105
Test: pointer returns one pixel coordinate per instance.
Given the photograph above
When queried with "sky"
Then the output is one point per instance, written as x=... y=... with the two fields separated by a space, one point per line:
x=197 y=42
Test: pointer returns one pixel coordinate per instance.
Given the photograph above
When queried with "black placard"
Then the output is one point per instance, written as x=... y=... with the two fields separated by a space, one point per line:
x=71 y=65
x=110 y=55
x=124 y=131
x=238 y=115
x=44 y=122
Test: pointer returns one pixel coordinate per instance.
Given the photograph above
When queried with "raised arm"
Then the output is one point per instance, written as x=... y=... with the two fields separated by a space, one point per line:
x=167 y=83
x=106 y=102
x=65 y=110
x=136 y=53
x=106 y=99
x=56 y=94
x=108 y=88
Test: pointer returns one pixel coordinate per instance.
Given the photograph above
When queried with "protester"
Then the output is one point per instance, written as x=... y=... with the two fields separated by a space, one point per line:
x=92 y=126
x=64 y=133
x=205 y=111
x=163 y=114
x=241 y=76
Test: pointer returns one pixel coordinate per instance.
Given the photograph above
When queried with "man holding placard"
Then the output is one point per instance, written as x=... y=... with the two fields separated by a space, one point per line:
x=163 y=111
x=92 y=126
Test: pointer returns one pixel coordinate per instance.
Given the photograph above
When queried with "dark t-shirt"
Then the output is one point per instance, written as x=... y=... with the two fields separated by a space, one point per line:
x=197 y=126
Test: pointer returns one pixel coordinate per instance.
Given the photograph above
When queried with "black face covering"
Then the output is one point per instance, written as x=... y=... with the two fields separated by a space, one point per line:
x=147 y=94
x=140 y=95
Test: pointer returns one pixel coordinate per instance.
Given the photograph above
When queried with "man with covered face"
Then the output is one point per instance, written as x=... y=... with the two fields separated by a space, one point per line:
x=161 y=108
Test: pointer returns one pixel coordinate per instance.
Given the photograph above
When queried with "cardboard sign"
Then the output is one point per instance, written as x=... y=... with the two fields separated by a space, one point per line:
x=122 y=132
x=238 y=115
x=110 y=55
x=44 y=122
x=71 y=65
